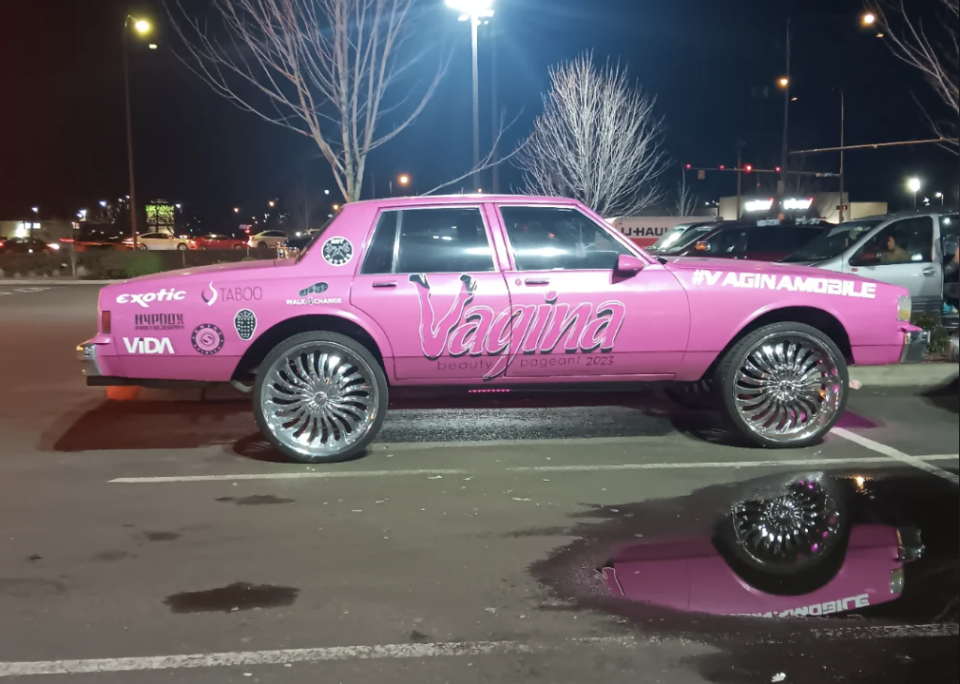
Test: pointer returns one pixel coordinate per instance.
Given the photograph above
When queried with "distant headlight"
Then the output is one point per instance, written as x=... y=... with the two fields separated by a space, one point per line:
x=54 y=246
x=905 y=309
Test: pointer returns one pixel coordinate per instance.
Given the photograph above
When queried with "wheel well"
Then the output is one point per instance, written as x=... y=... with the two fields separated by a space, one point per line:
x=816 y=318
x=294 y=326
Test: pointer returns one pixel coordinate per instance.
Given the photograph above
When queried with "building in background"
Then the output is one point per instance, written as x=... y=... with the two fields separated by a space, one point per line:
x=825 y=205
x=645 y=230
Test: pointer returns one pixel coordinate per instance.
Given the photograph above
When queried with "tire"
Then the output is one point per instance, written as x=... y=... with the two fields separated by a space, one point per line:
x=262 y=245
x=202 y=248
x=790 y=398
x=142 y=247
x=181 y=248
x=696 y=396
x=790 y=538
x=238 y=246
x=333 y=431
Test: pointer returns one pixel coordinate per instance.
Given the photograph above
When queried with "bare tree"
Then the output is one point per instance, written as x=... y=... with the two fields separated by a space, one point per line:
x=598 y=140
x=935 y=53
x=321 y=68
x=687 y=202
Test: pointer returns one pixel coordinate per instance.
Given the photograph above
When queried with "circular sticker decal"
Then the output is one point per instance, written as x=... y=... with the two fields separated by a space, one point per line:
x=337 y=251
x=207 y=339
x=245 y=323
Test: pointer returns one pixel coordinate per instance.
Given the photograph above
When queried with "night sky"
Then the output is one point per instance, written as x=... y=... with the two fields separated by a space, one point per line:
x=61 y=119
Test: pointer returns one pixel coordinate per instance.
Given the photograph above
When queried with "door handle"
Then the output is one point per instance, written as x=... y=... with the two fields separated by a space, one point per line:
x=537 y=281
x=929 y=271
x=383 y=286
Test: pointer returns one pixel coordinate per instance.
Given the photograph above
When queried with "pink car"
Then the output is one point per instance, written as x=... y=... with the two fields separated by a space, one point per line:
x=480 y=291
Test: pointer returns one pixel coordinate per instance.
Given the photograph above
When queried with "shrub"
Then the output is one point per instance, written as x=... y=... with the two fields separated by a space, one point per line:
x=939 y=336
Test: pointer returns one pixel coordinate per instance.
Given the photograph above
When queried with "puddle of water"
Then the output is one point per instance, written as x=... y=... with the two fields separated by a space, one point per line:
x=232 y=599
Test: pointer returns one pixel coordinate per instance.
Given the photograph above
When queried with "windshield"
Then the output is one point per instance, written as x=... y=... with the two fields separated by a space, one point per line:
x=684 y=239
x=833 y=242
x=670 y=237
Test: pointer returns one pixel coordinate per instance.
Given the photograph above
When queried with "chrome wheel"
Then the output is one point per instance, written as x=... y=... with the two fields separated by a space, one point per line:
x=793 y=528
x=319 y=399
x=789 y=387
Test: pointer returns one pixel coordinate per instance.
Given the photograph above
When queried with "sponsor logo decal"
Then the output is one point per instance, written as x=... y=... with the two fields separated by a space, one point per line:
x=818 y=609
x=785 y=283
x=337 y=251
x=148 y=345
x=314 y=301
x=245 y=323
x=319 y=288
x=158 y=322
x=210 y=299
x=145 y=300
x=529 y=330
x=207 y=339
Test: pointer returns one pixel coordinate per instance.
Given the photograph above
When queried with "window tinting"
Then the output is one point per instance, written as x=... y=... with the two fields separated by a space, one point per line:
x=552 y=238
x=903 y=242
x=443 y=241
x=379 y=257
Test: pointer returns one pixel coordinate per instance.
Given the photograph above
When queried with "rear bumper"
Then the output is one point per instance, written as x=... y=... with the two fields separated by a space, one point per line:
x=915 y=344
x=89 y=363
x=954 y=353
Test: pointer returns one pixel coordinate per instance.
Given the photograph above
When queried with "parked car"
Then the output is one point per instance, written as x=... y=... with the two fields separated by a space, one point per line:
x=680 y=236
x=161 y=242
x=909 y=249
x=292 y=247
x=269 y=239
x=95 y=237
x=26 y=246
x=758 y=240
x=220 y=241
x=472 y=291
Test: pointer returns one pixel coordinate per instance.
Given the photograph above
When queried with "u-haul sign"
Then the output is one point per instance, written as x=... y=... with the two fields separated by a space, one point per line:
x=646 y=230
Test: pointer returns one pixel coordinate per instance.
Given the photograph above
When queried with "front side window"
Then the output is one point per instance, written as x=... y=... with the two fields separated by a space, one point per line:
x=902 y=242
x=554 y=238
x=430 y=241
x=833 y=242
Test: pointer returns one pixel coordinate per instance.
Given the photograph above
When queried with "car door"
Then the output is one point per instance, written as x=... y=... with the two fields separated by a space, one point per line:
x=575 y=316
x=904 y=253
x=431 y=280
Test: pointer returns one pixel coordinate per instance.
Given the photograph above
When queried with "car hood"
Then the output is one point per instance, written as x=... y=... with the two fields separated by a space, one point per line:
x=244 y=267
x=745 y=266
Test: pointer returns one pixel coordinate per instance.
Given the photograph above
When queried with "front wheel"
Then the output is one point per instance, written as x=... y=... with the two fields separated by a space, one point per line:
x=182 y=248
x=262 y=245
x=320 y=397
x=784 y=385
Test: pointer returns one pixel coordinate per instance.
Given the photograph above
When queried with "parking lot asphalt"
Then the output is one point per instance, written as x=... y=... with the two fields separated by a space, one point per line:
x=162 y=540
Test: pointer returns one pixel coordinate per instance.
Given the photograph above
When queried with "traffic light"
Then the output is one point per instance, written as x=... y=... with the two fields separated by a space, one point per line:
x=778 y=169
x=723 y=167
x=689 y=167
x=748 y=168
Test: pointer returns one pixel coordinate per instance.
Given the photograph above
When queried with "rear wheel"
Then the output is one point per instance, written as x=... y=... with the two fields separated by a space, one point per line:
x=320 y=397
x=239 y=246
x=262 y=245
x=784 y=385
x=182 y=247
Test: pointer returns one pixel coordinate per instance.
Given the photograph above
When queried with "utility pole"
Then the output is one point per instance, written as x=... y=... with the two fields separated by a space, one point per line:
x=495 y=158
x=843 y=128
x=785 y=150
x=740 y=144
x=475 y=25
x=130 y=164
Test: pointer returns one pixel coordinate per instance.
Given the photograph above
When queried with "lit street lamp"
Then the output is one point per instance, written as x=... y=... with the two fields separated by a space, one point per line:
x=103 y=203
x=142 y=28
x=869 y=19
x=404 y=181
x=940 y=197
x=914 y=185
x=474 y=11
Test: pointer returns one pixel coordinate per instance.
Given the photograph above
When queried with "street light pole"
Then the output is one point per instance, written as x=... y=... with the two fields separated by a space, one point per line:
x=142 y=27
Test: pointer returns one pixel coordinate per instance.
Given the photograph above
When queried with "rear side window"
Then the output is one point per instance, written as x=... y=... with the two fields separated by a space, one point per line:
x=557 y=238
x=949 y=235
x=430 y=241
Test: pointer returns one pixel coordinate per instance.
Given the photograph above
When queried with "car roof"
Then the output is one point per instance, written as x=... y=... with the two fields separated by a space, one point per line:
x=454 y=200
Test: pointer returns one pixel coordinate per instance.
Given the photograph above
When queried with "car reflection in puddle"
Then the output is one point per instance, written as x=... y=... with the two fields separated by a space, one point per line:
x=788 y=549
x=854 y=598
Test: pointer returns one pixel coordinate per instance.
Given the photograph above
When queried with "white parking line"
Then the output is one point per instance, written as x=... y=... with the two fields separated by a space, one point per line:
x=347 y=474
x=416 y=651
x=897 y=455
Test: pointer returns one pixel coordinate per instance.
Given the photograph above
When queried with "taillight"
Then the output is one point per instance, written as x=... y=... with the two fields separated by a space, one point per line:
x=106 y=323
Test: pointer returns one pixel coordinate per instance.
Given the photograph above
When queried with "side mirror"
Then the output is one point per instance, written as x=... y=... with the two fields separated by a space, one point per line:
x=629 y=265
x=702 y=246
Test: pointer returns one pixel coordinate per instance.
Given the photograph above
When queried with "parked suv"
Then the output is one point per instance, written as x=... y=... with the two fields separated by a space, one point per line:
x=910 y=249
x=478 y=291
